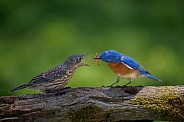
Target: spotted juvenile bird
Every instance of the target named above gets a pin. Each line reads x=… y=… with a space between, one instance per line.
x=124 y=66
x=57 y=77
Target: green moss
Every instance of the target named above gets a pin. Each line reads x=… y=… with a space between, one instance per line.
x=166 y=104
x=84 y=113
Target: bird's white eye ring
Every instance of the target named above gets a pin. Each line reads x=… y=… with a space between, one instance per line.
x=79 y=58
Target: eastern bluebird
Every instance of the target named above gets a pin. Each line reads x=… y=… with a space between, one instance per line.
x=124 y=66
x=57 y=77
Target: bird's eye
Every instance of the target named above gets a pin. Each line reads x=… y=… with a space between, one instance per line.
x=79 y=58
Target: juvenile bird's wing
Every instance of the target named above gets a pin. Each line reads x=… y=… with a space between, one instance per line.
x=131 y=63
x=49 y=76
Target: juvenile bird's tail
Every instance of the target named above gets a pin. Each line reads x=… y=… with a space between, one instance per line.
x=20 y=87
x=147 y=74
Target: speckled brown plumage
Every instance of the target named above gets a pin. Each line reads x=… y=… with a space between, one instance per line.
x=56 y=78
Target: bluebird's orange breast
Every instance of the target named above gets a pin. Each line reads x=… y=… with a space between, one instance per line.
x=124 y=71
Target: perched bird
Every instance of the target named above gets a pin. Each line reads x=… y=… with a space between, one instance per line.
x=124 y=66
x=57 y=77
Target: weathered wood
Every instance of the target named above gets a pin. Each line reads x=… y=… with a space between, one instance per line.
x=97 y=104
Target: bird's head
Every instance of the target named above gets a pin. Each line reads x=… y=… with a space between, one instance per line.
x=110 y=56
x=76 y=60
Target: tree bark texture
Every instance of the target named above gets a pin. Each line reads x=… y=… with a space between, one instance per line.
x=97 y=104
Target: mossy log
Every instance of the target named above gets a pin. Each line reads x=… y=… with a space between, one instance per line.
x=97 y=104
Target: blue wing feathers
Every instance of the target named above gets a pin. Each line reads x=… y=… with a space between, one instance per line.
x=132 y=63
x=135 y=65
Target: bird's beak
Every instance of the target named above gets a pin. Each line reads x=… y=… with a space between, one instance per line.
x=97 y=58
x=83 y=60
x=85 y=55
x=86 y=64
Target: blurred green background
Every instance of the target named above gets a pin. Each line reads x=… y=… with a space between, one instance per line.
x=37 y=35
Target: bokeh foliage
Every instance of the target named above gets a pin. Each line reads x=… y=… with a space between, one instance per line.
x=37 y=35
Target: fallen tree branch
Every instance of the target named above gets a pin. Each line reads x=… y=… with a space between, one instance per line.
x=97 y=104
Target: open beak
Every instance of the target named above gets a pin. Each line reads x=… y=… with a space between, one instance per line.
x=83 y=60
x=86 y=64
x=85 y=55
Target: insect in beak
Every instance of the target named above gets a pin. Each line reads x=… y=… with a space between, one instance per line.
x=96 y=59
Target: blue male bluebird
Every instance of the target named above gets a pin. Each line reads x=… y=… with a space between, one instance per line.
x=57 y=77
x=124 y=66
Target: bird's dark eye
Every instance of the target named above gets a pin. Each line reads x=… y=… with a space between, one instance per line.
x=79 y=58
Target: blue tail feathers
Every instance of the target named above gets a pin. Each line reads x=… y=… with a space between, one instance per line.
x=147 y=74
